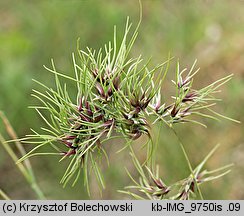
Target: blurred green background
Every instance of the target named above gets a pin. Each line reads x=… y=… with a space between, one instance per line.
x=33 y=32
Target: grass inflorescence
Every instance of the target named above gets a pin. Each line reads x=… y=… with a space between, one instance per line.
x=118 y=96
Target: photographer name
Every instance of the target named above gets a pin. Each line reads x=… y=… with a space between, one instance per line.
x=73 y=207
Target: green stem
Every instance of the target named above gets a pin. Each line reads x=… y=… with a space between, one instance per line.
x=25 y=168
x=156 y=147
x=37 y=190
x=188 y=163
x=4 y=195
x=27 y=173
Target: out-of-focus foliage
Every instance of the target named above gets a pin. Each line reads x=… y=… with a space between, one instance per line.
x=32 y=32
